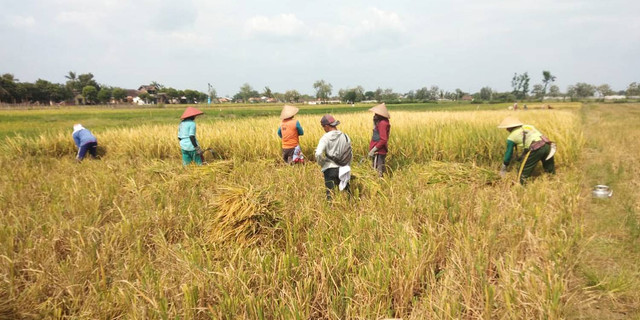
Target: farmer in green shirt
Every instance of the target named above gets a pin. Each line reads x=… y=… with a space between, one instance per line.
x=534 y=145
x=191 y=151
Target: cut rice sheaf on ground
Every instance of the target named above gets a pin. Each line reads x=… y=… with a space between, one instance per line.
x=244 y=215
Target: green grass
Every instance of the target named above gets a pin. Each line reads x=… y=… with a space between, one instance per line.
x=608 y=270
x=35 y=122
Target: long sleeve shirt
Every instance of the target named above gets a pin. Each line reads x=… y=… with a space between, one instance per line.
x=509 y=153
x=521 y=137
x=290 y=132
x=380 y=136
x=325 y=145
x=83 y=137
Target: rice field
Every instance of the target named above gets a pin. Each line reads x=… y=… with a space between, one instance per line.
x=135 y=235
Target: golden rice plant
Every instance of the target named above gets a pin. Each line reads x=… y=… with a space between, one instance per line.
x=243 y=215
x=137 y=235
x=416 y=137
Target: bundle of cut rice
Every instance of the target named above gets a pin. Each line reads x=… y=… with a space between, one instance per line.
x=244 y=215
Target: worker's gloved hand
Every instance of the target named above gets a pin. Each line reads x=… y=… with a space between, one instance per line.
x=199 y=150
x=372 y=152
x=503 y=170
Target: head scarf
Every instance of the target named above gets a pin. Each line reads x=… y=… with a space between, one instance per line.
x=77 y=127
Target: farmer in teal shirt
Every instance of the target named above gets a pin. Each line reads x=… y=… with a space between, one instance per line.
x=191 y=151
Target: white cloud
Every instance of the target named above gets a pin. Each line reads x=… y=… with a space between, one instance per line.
x=378 y=20
x=82 y=19
x=282 y=26
x=367 y=29
x=487 y=40
x=184 y=39
x=21 y=21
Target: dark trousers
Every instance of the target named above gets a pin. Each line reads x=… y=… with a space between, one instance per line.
x=379 y=161
x=531 y=160
x=92 y=147
x=287 y=154
x=332 y=180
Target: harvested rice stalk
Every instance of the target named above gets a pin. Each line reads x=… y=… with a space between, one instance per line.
x=244 y=215
x=365 y=182
x=455 y=173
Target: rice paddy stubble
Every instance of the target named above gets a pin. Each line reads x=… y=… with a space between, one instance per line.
x=132 y=238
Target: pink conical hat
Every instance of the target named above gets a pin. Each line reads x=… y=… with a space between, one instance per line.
x=190 y=112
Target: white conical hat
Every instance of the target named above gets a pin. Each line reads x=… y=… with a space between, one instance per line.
x=288 y=111
x=381 y=109
x=510 y=122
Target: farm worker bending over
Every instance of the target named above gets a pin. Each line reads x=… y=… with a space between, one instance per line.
x=85 y=141
x=380 y=137
x=191 y=151
x=289 y=131
x=334 y=155
x=535 y=147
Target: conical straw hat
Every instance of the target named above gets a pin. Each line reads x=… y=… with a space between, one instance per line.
x=510 y=122
x=288 y=111
x=381 y=109
x=191 y=112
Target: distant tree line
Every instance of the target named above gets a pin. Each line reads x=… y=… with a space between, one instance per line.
x=520 y=84
x=81 y=89
x=84 y=89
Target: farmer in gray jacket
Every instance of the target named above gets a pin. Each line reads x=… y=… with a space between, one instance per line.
x=333 y=141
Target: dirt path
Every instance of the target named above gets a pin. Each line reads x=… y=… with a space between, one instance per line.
x=608 y=271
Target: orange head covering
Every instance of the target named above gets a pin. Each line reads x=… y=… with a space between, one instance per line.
x=190 y=112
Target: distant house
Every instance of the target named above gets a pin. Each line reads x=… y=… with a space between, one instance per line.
x=153 y=93
x=162 y=97
x=223 y=100
x=137 y=101
x=131 y=94
x=148 y=89
x=612 y=98
x=466 y=97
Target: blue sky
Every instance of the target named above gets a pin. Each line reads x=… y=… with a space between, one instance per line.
x=402 y=45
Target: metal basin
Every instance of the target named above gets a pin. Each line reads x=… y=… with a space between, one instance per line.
x=602 y=191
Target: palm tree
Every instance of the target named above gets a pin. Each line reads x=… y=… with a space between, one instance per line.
x=71 y=76
x=267 y=92
x=547 y=78
x=72 y=80
x=157 y=85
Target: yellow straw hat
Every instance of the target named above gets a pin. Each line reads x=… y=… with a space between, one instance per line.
x=381 y=110
x=288 y=112
x=510 y=122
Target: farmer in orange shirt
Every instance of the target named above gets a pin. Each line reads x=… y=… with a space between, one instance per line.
x=289 y=131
